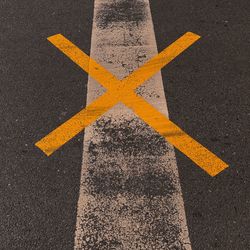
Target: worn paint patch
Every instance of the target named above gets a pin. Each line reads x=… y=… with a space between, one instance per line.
x=130 y=196
x=121 y=11
x=123 y=159
x=116 y=182
x=132 y=137
x=128 y=190
x=128 y=222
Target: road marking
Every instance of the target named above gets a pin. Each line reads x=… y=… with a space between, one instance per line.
x=130 y=195
x=122 y=91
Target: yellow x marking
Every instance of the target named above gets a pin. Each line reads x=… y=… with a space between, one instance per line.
x=123 y=91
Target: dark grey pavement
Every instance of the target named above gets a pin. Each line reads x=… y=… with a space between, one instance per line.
x=207 y=91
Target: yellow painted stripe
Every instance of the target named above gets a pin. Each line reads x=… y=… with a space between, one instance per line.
x=61 y=135
x=122 y=90
x=95 y=70
x=77 y=123
x=175 y=135
x=159 y=61
x=136 y=78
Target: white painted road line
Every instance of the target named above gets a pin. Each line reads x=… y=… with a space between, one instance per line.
x=130 y=195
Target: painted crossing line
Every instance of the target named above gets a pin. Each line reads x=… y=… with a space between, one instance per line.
x=130 y=195
x=123 y=91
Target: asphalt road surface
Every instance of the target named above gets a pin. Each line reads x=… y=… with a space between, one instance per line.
x=207 y=94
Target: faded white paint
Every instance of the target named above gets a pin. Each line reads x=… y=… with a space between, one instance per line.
x=130 y=195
